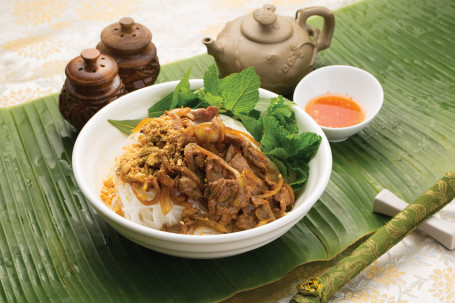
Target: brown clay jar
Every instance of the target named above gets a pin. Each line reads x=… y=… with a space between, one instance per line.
x=92 y=82
x=130 y=44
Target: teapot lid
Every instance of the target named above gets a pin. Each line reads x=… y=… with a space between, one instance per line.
x=126 y=36
x=264 y=26
x=91 y=68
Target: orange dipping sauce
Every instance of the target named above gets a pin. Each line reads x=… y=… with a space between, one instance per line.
x=335 y=111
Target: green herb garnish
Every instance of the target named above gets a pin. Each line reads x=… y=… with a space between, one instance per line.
x=270 y=121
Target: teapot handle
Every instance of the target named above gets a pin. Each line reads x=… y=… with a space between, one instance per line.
x=323 y=41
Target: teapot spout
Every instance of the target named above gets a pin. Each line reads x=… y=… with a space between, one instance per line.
x=214 y=48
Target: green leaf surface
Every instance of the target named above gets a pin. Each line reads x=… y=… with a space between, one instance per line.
x=212 y=100
x=211 y=80
x=254 y=126
x=182 y=90
x=159 y=108
x=125 y=126
x=239 y=90
x=55 y=248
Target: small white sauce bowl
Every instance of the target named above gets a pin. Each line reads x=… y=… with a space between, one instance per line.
x=343 y=80
x=99 y=143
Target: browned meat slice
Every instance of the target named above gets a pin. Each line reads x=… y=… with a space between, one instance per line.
x=199 y=160
x=246 y=221
x=215 y=171
x=239 y=163
x=285 y=197
x=256 y=159
x=189 y=187
x=265 y=213
x=195 y=160
x=221 y=194
x=223 y=191
x=221 y=213
x=230 y=153
x=164 y=180
x=202 y=115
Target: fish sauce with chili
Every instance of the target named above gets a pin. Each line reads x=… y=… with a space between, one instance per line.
x=335 y=111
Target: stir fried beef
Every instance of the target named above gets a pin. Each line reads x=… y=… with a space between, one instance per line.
x=239 y=163
x=214 y=170
x=217 y=174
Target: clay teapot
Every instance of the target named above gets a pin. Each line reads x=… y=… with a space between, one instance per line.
x=281 y=50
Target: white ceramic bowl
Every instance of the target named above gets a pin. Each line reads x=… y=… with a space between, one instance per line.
x=341 y=80
x=99 y=143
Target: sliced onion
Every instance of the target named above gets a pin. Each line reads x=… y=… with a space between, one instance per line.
x=238 y=133
x=221 y=129
x=275 y=190
x=157 y=188
x=181 y=112
x=166 y=183
x=211 y=223
x=143 y=200
x=206 y=132
x=189 y=157
x=250 y=178
x=165 y=201
x=262 y=222
x=290 y=190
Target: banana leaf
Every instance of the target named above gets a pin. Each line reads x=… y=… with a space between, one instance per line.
x=54 y=247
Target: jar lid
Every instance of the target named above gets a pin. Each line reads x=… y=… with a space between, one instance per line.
x=126 y=36
x=264 y=26
x=91 y=68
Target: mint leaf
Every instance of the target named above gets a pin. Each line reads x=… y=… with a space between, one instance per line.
x=298 y=174
x=283 y=143
x=240 y=91
x=211 y=99
x=273 y=135
x=309 y=143
x=125 y=126
x=222 y=83
x=182 y=90
x=264 y=103
x=279 y=141
x=181 y=96
x=294 y=170
x=187 y=99
x=253 y=126
x=283 y=113
x=211 y=79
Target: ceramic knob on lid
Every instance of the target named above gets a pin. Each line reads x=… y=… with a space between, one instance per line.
x=264 y=26
x=92 y=82
x=130 y=44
